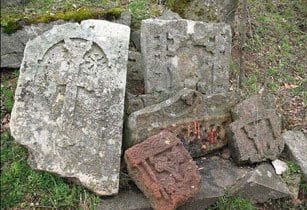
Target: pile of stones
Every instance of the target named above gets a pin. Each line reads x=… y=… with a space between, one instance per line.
x=83 y=99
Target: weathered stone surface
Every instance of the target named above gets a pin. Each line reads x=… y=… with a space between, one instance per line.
x=296 y=143
x=163 y=170
x=135 y=40
x=135 y=76
x=169 y=15
x=12 y=46
x=261 y=185
x=125 y=200
x=216 y=177
x=199 y=121
x=207 y=10
x=124 y=18
x=183 y=53
x=69 y=102
x=256 y=131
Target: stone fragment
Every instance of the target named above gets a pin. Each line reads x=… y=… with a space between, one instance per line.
x=69 y=102
x=279 y=166
x=13 y=45
x=135 y=40
x=163 y=170
x=124 y=18
x=260 y=185
x=135 y=77
x=181 y=53
x=169 y=15
x=296 y=143
x=216 y=177
x=256 y=131
x=199 y=121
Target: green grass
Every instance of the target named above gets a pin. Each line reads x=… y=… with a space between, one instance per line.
x=233 y=203
x=23 y=187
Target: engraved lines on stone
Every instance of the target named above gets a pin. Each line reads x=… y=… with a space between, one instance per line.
x=167 y=161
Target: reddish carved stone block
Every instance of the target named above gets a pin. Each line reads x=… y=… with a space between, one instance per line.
x=164 y=170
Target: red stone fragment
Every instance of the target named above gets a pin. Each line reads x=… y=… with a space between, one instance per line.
x=164 y=170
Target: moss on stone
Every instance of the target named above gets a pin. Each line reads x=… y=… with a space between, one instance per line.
x=11 y=24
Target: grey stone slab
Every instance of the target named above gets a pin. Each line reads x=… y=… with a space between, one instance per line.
x=182 y=53
x=296 y=143
x=192 y=116
x=255 y=134
x=69 y=102
x=260 y=185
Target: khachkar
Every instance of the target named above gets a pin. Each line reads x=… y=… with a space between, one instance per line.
x=69 y=102
x=183 y=53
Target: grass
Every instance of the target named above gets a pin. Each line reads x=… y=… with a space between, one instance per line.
x=232 y=203
x=22 y=187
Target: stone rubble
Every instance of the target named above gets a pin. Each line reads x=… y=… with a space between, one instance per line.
x=69 y=102
x=279 y=166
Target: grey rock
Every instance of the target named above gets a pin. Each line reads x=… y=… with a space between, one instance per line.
x=260 y=185
x=169 y=15
x=125 y=200
x=125 y=18
x=135 y=76
x=216 y=175
x=256 y=131
x=12 y=46
x=296 y=143
x=190 y=115
x=135 y=40
x=69 y=102
x=182 y=53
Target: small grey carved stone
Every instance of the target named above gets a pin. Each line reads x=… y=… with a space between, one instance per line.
x=181 y=53
x=69 y=102
x=256 y=131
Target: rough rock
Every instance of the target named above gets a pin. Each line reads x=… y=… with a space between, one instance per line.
x=124 y=18
x=199 y=121
x=12 y=46
x=279 y=166
x=135 y=40
x=169 y=15
x=207 y=10
x=183 y=53
x=163 y=170
x=296 y=143
x=256 y=131
x=260 y=185
x=69 y=102
x=135 y=77
x=216 y=177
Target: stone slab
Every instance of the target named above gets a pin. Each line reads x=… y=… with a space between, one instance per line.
x=199 y=121
x=182 y=53
x=296 y=143
x=163 y=170
x=255 y=134
x=69 y=102
x=135 y=76
x=260 y=185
